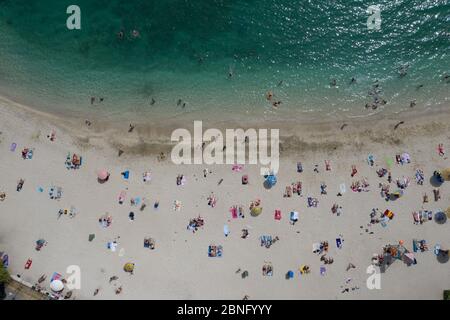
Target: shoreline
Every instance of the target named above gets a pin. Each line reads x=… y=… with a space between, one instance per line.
x=152 y=139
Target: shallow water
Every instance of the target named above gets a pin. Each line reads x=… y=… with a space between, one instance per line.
x=187 y=49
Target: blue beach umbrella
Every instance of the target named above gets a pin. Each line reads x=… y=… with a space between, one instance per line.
x=271 y=180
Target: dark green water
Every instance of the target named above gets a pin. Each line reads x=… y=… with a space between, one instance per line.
x=186 y=50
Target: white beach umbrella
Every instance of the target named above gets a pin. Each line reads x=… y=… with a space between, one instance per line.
x=57 y=285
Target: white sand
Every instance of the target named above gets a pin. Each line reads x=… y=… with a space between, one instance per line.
x=179 y=267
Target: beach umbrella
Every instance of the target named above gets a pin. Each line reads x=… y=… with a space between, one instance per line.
x=271 y=180
x=446 y=174
x=102 y=174
x=443 y=256
x=289 y=274
x=440 y=217
x=128 y=267
x=256 y=211
x=57 y=285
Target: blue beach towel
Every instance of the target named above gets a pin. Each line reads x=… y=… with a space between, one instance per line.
x=339 y=243
x=126 y=174
x=226 y=230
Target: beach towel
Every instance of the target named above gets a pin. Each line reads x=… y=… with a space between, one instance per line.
x=277 y=215
x=342 y=188
x=339 y=243
x=112 y=246
x=437 y=247
x=215 y=251
x=316 y=247
x=226 y=230
x=370 y=159
x=415 y=246
x=384 y=221
x=416 y=217
x=389 y=162
x=13 y=147
x=126 y=174
x=55 y=276
x=323 y=270
x=137 y=201
x=5 y=260
x=28 y=263
x=294 y=216
x=233 y=211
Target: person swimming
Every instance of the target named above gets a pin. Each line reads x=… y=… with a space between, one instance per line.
x=135 y=34
x=120 y=34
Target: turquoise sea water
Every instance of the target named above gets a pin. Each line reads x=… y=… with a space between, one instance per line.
x=187 y=49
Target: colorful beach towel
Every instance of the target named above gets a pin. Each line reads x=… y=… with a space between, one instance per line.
x=234 y=213
x=55 y=276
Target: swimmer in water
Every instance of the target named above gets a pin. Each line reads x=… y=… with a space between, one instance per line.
x=230 y=72
x=269 y=95
x=120 y=34
x=333 y=83
x=135 y=34
x=353 y=80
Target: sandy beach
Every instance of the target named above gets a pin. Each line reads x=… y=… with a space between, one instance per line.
x=179 y=266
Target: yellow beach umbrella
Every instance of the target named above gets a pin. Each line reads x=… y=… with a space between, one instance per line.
x=128 y=267
x=256 y=211
x=448 y=212
x=446 y=174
